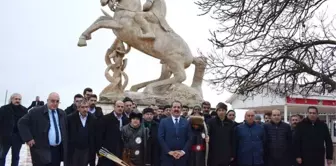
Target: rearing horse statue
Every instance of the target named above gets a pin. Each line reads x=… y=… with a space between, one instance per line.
x=165 y=45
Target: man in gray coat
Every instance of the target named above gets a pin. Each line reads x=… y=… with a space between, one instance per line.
x=44 y=130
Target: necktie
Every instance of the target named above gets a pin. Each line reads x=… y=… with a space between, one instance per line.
x=55 y=125
x=176 y=125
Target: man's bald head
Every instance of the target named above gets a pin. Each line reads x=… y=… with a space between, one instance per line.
x=249 y=116
x=276 y=116
x=119 y=107
x=53 y=100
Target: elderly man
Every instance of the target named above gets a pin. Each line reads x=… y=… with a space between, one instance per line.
x=44 y=129
x=278 y=140
x=9 y=133
x=250 y=139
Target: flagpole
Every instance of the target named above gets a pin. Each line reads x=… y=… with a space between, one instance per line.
x=6 y=97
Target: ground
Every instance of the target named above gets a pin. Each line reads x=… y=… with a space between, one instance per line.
x=25 y=159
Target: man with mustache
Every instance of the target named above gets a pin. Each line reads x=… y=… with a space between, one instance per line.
x=9 y=133
x=93 y=109
x=175 y=138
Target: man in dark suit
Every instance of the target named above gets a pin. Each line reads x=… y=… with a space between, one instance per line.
x=81 y=136
x=175 y=138
x=93 y=109
x=35 y=103
x=109 y=133
x=44 y=129
x=9 y=133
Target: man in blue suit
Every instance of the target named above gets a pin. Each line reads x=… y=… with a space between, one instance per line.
x=174 y=136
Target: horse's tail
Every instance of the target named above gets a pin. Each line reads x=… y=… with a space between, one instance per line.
x=200 y=65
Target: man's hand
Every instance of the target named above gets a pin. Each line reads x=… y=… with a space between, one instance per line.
x=147 y=5
x=173 y=153
x=207 y=139
x=232 y=158
x=299 y=160
x=329 y=162
x=31 y=143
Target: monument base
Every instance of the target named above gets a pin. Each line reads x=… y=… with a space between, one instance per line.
x=180 y=92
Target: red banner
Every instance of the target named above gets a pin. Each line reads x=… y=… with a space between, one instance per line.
x=291 y=100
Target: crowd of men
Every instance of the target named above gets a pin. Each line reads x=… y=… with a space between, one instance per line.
x=159 y=135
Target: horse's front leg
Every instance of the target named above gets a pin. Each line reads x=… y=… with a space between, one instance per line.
x=101 y=22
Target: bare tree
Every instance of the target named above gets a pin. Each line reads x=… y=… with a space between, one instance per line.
x=283 y=45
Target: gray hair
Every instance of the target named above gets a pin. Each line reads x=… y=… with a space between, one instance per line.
x=12 y=96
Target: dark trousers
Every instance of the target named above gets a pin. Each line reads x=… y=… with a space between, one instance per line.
x=15 y=143
x=80 y=157
x=56 y=156
x=92 y=162
x=174 y=163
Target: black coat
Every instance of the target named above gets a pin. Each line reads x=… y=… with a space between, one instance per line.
x=109 y=137
x=278 y=143
x=35 y=103
x=153 y=147
x=197 y=153
x=99 y=113
x=74 y=124
x=71 y=109
x=222 y=141
x=8 y=121
x=35 y=125
x=309 y=140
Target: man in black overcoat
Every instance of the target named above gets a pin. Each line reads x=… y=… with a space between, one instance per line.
x=312 y=141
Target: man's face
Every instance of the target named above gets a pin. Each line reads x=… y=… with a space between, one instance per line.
x=231 y=115
x=312 y=114
x=176 y=109
x=53 y=102
x=221 y=113
x=37 y=98
x=249 y=117
x=167 y=111
x=156 y=109
x=92 y=102
x=77 y=101
x=185 y=111
x=83 y=109
x=159 y=112
x=148 y=117
x=276 y=116
x=134 y=106
x=119 y=108
x=294 y=120
x=206 y=108
x=16 y=100
x=87 y=94
x=135 y=122
x=128 y=107
x=267 y=119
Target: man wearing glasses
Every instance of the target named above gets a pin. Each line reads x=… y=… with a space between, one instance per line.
x=9 y=133
x=44 y=130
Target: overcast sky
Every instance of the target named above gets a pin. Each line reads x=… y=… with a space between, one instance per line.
x=39 y=52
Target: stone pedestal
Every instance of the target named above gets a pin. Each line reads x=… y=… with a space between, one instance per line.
x=180 y=92
x=108 y=107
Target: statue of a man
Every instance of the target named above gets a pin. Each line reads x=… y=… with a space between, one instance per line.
x=142 y=18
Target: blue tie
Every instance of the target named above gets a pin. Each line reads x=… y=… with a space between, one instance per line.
x=55 y=125
x=176 y=126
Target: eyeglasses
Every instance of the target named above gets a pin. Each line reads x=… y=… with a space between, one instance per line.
x=54 y=101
